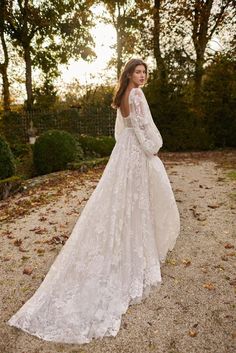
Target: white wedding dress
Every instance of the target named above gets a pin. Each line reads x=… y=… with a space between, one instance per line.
x=113 y=255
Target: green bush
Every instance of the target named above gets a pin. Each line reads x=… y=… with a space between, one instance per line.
x=23 y=154
x=219 y=101
x=53 y=150
x=20 y=150
x=13 y=127
x=100 y=146
x=7 y=162
x=179 y=124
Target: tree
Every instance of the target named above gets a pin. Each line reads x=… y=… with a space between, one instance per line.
x=4 y=64
x=49 y=33
x=160 y=62
x=206 y=18
x=127 y=20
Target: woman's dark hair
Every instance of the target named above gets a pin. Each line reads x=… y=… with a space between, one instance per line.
x=124 y=80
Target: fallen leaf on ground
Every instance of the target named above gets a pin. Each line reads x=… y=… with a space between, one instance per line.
x=27 y=270
x=231 y=253
x=192 y=333
x=22 y=249
x=24 y=257
x=229 y=246
x=203 y=269
x=214 y=206
x=209 y=285
x=40 y=251
x=17 y=242
x=233 y=282
x=7 y=258
x=39 y=230
x=186 y=262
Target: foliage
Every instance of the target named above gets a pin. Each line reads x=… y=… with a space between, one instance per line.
x=89 y=163
x=13 y=128
x=23 y=154
x=179 y=125
x=49 y=34
x=53 y=150
x=100 y=146
x=128 y=21
x=7 y=162
x=46 y=95
x=219 y=101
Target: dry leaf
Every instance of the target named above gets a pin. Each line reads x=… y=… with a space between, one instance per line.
x=24 y=257
x=203 y=269
x=7 y=258
x=22 y=250
x=233 y=253
x=209 y=286
x=27 y=270
x=233 y=282
x=186 y=262
x=40 y=251
x=192 y=333
x=17 y=242
x=229 y=246
x=214 y=206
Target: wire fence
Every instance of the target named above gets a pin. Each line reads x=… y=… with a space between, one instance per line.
x=94 y=122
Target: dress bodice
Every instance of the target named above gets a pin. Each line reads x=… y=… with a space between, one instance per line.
x=127 y=122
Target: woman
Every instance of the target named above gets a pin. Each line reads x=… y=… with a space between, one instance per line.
x=113 y=255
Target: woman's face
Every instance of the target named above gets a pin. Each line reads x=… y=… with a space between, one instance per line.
x=139 y=75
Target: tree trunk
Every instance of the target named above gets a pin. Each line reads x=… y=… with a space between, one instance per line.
x=198 y=74
x=5 y=87
x=28 y=77
x=200 y=38
x=119 y=40
x=119 y=51
x=5 y=81
x=4 y=65
x=161 y=67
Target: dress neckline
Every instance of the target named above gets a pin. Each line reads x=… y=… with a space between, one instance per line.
x=128 y=116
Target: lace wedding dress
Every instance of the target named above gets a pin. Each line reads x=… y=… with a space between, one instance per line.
x=113 y=255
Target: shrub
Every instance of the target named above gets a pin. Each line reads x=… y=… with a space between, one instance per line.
x=7 y=162
x=53 y=150
x=100 y=146
x=23 y=154
x=13 y=127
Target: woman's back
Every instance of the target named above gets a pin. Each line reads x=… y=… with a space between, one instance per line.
x=124 y=106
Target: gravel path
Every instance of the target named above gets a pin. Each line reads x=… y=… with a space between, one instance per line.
x=193 y=312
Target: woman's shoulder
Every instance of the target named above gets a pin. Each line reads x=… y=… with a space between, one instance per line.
x=136 y=92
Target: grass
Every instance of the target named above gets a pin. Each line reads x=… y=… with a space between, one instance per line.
x=232 y=175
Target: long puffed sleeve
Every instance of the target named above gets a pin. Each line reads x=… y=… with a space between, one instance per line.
x=145 y=129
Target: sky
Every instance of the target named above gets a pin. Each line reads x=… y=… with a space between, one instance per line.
x=93 y=72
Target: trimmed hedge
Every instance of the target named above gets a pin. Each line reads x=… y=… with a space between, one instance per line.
x=100 y=146
x=53 y=150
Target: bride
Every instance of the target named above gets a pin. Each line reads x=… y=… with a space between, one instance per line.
x=113 y=256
